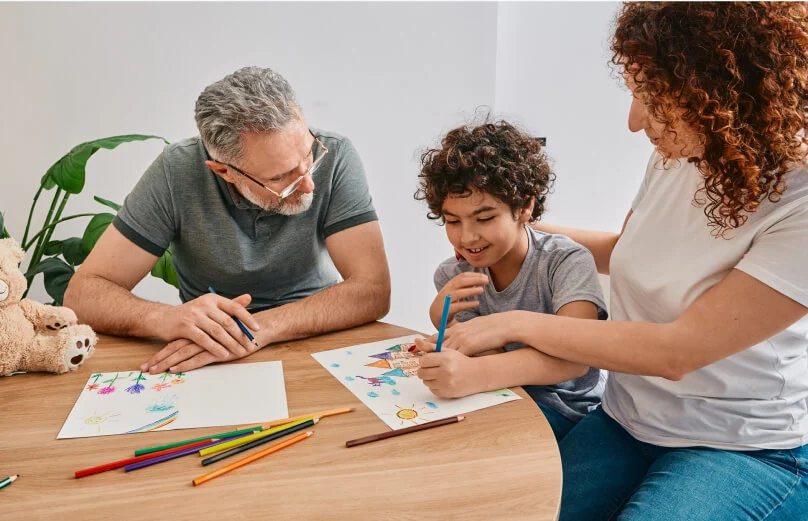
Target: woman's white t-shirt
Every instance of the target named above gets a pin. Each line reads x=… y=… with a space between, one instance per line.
x=667 y=258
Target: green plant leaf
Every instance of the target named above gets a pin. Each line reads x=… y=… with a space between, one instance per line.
x=107 y=202
x=53 y=248
x=164 y=269
x=97 y=226
x=69 y=171
x=57 y=275
x=73 y=251
x=3 y=233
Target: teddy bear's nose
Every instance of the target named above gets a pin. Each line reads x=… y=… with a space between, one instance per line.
x=3 y=291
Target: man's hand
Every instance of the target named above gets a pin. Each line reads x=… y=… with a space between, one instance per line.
x=182 y=355
x=473 y=337
x=451 y=374
x=465 y=285
x=208 y=322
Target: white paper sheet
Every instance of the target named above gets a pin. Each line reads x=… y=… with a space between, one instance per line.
x=382 y=375
x=130 y=401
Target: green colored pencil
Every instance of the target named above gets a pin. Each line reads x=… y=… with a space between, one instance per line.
x=149 y=450
x=8 y=481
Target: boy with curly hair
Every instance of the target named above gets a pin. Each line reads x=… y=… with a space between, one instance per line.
x=486 y=184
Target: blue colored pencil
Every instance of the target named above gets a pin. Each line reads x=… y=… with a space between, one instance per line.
x=446 y=303
x=238 y=322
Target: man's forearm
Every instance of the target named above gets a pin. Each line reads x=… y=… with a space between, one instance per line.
x=347 y=304
x=524 y=367
x=109 y=308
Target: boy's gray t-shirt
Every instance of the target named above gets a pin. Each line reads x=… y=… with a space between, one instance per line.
x=555 y=272
x=220 y=239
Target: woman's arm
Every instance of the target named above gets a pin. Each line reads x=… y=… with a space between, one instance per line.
x=735 y=314
x=600 y=244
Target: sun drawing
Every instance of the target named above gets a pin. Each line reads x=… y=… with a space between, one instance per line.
x=412 y=414
x=97 y=420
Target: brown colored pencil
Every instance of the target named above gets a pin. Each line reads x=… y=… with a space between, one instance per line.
x=414 y=428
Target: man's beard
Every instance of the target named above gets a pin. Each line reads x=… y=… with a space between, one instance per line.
x=280 y=206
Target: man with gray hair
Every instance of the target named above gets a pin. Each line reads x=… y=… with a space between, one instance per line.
x=239 y=209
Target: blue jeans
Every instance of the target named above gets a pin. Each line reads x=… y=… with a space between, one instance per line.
x=560 y=425
x=609 y=475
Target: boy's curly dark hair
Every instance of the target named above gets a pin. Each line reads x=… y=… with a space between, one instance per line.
x=494 y=158
x=740 y=72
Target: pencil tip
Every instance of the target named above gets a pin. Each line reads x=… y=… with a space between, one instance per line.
x=461 y=418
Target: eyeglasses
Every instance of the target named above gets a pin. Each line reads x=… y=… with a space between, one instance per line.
x=289 y=190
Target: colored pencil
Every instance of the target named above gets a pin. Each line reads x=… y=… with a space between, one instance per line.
x=238 y=322
x=446 y=303
x=8 y=481
x=318 y=414
x=157 y=448
x=249 y=459
x=221 y=447
x=407 y=430
x=124 y=462
x=167 y=457
x=261 y=441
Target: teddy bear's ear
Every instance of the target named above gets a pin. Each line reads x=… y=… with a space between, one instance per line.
x=10 y=246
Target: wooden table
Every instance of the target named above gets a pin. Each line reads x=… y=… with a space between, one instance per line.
x=500 y=463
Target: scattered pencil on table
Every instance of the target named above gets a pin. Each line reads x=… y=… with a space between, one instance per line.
x=318 y=414
x=8 y=481
x=157 y=448
x=238 y=322
x=128 y=461
x=174 y=455
x=407 y=430
x=249 y=459
x=220 y=447
x=447 y=302
x=255 y=443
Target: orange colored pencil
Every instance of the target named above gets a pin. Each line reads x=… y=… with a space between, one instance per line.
x=249 y=459
x=318 y=414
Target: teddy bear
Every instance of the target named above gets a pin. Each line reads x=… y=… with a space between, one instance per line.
x=34 y=336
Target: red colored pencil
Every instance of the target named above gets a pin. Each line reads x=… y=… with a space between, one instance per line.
x=129 y=461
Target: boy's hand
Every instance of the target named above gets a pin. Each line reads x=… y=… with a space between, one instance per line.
x=474 y=336
x=450 y=374
x=465 y=285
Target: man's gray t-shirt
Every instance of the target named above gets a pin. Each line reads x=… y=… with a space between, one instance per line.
x=555 y=272
x=218 y=238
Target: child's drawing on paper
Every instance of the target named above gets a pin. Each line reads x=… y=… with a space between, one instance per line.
x=95 y=422
x=127 y=402
x=384 y=376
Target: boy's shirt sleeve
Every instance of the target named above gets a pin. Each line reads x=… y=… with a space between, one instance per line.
x=574 y=277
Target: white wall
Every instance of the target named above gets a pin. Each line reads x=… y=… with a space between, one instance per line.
x=389 y=76
x=392 y=77
x=553 y=78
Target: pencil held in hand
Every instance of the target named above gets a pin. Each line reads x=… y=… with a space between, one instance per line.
x=414 y=428
x=238 y=322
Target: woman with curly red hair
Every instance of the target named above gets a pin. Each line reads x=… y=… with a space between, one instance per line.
x=705 y=414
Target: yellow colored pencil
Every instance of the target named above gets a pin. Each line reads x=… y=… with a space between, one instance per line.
x=214 y=449
x=318 y=414
x=249 y=459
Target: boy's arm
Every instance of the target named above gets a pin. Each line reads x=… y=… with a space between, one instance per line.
x=452 y=374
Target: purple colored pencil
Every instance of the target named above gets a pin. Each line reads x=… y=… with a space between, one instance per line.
x=179 y=454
